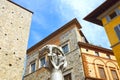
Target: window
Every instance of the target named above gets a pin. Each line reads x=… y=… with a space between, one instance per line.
x=117 y=30
x=108 y=56
x=97 y=53
x=32 y=66
x=102 y=72
x=114 y=75
x=42 y=62
x=86 y=50
x=112 y=15
x=67 y=77
x=65 y=48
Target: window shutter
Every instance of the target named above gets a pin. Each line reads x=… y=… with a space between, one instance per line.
x=102 y=72
x=117 y=11
x=108 y=18
x=117 y=30
x=114 y=75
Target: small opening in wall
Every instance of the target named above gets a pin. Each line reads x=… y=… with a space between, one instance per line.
x=10 y=64
x=86 y=50
x=3 y=7
x=19 y=27
x=6 y=54
x=21 y=16
x=12 y=12
x=13 y=52
x=0 y=48
x=17 y=39
x=5 y=34
x=19 y=58
x=97 y=53
x=11 y=23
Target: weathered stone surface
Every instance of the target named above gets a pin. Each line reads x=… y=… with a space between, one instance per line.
x=74 y=67
x=83 y=62
x=40 y=74
x=14 y=31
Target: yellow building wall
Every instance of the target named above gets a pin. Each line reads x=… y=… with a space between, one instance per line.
x=116 y=51
x=109 y=28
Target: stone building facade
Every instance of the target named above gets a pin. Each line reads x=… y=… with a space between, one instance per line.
x=14 y=31
x=73 y=43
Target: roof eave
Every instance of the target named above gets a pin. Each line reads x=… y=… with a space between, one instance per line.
x=93 y=47
x=92 y=17
x=20 y=6
x=74 y=21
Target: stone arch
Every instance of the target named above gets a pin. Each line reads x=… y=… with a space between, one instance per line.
x=112 y=63
x=100 y=61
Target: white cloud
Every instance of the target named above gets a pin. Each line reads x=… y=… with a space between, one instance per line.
x=79 y=9
x=66 y=10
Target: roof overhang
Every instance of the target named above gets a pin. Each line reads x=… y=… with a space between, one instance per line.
x=20 y=6
x=92 y=17
x=74 y=21
x=93 y=47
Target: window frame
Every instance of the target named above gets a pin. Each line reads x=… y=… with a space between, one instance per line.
x=116 y=11
x=117 y=31
x=108 y=56
x=113 y=15
x=101 y=67
x=115 y=72
x=31 y=63
x=40 y=66
x=97 y=53
x=66 y=43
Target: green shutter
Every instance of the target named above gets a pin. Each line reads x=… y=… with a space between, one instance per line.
x=117 y=30
x=117 y=11
x=108 y=18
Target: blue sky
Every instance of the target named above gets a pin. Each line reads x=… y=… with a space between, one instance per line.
x=49 y=15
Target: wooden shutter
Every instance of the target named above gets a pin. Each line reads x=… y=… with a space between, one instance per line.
x=102 y=72
x=114 y=75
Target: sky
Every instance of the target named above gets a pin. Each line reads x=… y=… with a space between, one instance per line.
x=50 y=15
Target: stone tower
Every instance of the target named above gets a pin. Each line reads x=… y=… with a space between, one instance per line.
x=14 y=31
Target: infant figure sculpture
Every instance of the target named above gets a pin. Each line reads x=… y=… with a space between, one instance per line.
x=57 y=62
